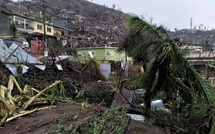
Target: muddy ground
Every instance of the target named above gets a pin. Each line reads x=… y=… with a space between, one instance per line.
x=52 y=120
x=48 y=121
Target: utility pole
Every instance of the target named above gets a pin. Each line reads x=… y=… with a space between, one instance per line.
x=44 y=28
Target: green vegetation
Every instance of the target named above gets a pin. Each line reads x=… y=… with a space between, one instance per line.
x=169 y=76
x=13 y=29
x=112 y=121
x=97 y=94
x=61 y=129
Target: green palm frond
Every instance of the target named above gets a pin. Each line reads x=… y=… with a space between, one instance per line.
x=138 y=25
x=145 y=46
x=170 y=72
x=150 y=81
x=205 y=89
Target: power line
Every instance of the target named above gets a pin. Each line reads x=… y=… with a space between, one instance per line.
x=44 y=29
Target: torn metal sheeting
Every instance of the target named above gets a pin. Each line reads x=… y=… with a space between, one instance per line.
x=15 y=54
x=13 y=68
x=59 y=67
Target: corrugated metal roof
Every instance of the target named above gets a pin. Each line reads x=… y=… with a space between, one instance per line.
x=14 y=55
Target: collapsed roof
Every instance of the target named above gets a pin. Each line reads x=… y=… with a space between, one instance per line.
x=14 y=56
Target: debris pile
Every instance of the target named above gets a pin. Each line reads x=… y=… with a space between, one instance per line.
x=27 y=83
x=13 y=106
x=100 y=93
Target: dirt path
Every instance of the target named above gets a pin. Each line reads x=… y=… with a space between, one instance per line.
x=48 y=120
x=137 y=127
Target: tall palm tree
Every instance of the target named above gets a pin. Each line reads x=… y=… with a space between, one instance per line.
x=168 y=72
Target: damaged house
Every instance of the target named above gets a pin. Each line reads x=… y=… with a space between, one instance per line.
x=32 y=31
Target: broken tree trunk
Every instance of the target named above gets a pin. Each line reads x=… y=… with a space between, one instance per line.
x=25 y=105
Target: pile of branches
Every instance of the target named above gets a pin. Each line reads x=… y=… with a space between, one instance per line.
x=23 y=102
x=100 y=93
x=72 y=79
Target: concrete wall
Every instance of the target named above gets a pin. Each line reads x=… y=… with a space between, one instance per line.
x=102 y=54
x=41 y=31
x=4 y=25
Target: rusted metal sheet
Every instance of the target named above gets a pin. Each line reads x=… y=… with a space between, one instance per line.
x=37 y=47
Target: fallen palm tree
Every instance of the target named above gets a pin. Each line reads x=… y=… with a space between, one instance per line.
x=169 y=76
x=12 y=107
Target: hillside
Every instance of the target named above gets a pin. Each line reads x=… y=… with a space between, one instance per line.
x=92 y=24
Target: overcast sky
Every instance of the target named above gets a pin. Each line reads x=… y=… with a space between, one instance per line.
x=170 y=13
